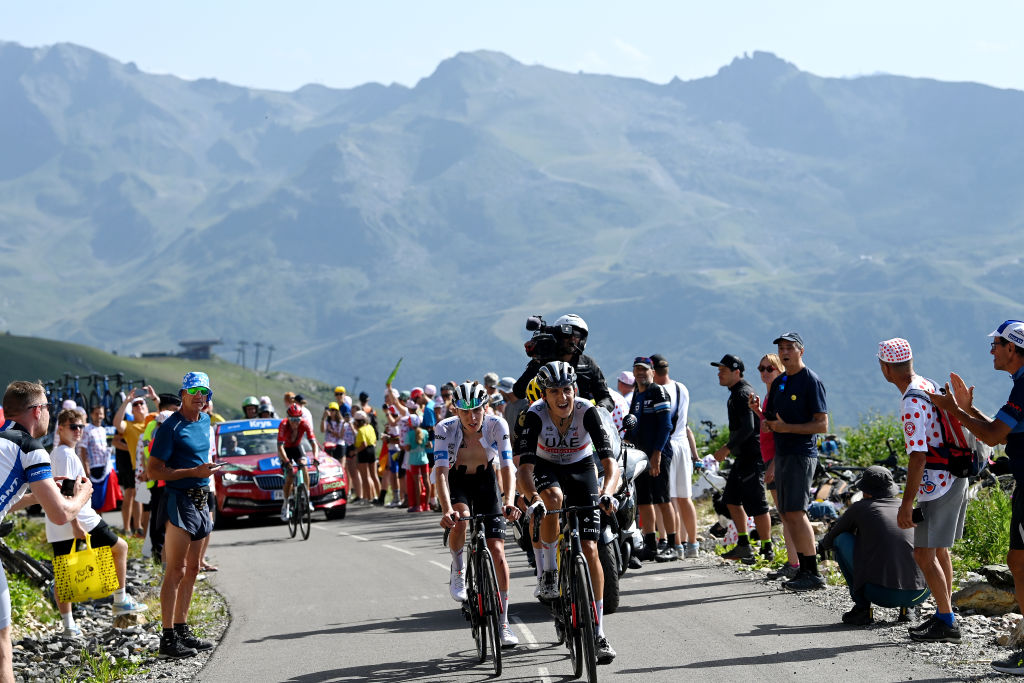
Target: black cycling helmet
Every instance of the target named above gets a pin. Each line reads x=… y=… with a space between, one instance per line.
x=556 y=374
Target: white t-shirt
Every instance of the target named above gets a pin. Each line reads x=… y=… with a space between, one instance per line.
x=66 y=463
x=680 y=444
x=921 y=429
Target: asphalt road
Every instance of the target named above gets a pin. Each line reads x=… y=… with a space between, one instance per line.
x=366 y=599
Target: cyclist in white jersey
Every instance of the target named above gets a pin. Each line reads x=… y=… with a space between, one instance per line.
x=472 y=453
x=556 y=446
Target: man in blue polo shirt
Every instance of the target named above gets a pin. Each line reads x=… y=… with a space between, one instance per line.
x=1007 y=427
x=795 y=412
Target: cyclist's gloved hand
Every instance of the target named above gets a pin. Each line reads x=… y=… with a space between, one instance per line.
x=608 y=503
x=537 y=510
x=449 y=520
x=511 y=512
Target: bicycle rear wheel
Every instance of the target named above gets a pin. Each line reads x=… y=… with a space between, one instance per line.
x=305 y=514
x=492 y=608
x=583 y=597
x=293 y=515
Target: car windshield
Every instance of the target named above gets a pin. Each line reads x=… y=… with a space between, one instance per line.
x=251 y=442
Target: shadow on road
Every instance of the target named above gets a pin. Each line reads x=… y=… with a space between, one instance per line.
x=445 y=620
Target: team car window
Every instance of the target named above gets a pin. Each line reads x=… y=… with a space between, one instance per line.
x=254 y=442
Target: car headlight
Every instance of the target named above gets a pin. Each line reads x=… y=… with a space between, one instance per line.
x=231 y=478
x=327 y=472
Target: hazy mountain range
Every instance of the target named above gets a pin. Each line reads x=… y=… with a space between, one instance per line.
x=351 y=227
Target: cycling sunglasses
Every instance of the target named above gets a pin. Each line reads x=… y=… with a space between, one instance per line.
x=470 y=405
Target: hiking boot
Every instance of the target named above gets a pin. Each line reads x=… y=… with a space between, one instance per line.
x=767 y=553
x=605 y=653
x=457 y=585
x=508 y=638
x=666 y=555
x=549 y=585
x=171 y=646
x=922 y=627
x=805 y=581
x=692 y=551
x=937 y=632
x=739 y=552
x=189 y=639
x=859 y=616
x=786 y=571
x=1014 y=664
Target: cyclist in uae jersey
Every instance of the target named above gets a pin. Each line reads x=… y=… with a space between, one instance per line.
x=289 y=449
x=556 y=446
x=472 y=455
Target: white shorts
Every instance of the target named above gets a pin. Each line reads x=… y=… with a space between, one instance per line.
x=680 y=483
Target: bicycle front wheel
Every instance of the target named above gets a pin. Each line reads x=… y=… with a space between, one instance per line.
x=293 y=515
x=570 y=621
x=586 y=616
x=305 y=514
x=475 y=594
x=492 y=607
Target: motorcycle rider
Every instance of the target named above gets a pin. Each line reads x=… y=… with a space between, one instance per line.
x=556 y=443
x=571 y=333
x=251 y=407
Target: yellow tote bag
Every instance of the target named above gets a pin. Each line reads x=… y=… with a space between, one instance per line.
x=87 y=574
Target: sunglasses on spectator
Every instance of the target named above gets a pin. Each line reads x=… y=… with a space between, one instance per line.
x=1000 y=342
x=197 y=390
x=76 y=427
x=40 y=405
x=766 y=368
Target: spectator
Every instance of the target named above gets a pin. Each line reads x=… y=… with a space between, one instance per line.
x=367 y=484
x=1007 y=427
x=179 y=456
x=93 y=449
x=769 y=368
x=874 y=553
x=652 y=407
x=67 y=465
x=25 y=464
x=169 y=403
x=625 y=384
x=795 y=412
x=369 y=411
x=491 y=380
x=250 y=407
x=417 y=469
x=131 y=511
x=341 y=397
x=744 y=488
x=942 y=497
x=333 y=429
x=684 y=450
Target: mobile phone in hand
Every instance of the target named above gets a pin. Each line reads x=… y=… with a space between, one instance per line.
x=917 y=516
x=67 y=488
x=138 y=393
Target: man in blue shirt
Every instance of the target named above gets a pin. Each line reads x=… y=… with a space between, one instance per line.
x=795 y=412
x=1007 y=427
x=180 y=456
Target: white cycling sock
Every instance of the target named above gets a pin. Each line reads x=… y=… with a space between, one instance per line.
x=538 y=559
x=68 y=620
x=504 y=607
x=550 y=556
x=457 y=560
x=600 y=617
x=119 y=595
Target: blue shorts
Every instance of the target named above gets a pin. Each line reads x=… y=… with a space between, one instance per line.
x=188 y=510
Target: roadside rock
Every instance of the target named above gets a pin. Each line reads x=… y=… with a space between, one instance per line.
x=984 y=598
x=998 y=575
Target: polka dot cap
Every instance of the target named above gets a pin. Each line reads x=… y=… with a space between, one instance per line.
x=894 y=350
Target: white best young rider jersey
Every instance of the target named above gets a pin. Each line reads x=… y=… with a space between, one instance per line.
x=563 y=449
x=493 y=436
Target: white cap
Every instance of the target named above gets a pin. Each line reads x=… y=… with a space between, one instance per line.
x=626 y=377
x=1012 y=331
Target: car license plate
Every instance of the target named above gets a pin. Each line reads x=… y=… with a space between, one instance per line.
x=277 y=495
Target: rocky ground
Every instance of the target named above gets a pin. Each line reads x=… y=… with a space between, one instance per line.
x=128 y=645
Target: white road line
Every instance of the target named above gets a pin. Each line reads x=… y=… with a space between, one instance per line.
x=545 y=676
x=344 y=533
x=531 y=641
x=398 y=550
x=359 y=538
x=442 y=566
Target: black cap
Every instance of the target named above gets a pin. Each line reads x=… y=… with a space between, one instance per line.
x=730 y=361
x=299 y=398
x=169 y=400
x=877 y=482
x=791 y=336
x=659 y=362
x=363 y=396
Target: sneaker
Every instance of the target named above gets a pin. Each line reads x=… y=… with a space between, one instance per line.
x=605 y=653
x=739 y=552
x=1014 y=664
x=284 y=511
x=662 y=544
x=457 y=585
x=922 y=627
x=634 y=562
x=680 y=551
x=73 y=633
x=786 y=571
x=692 y=551
x=859 y=616
x=767 y=553
x=171 y=646
x=508 y=638
x=937 y=632
x=129 y=606
x=189 y=639
x=666 y=555
x=805 y=581
x=537 y=588
x=311 y=508
x=549 y=587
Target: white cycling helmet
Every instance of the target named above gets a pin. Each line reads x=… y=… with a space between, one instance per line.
x=469 y=395
x=555 y=374
x=574 y=320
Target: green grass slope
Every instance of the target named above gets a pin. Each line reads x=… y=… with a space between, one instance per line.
x=33 y=358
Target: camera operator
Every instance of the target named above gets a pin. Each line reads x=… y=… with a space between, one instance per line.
x=564 y=341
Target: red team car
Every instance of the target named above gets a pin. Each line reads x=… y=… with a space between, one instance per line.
x=251 y=481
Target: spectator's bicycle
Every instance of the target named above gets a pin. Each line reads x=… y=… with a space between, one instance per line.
x=575 y=610
x=300 y=517
x=482 y=608
x=106 y=399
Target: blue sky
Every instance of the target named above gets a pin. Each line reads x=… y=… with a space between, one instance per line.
x=282 y=46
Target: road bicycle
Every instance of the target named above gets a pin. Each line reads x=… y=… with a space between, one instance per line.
x=105 y=399
x=300 y=517
x=482 y=608
x=575 y=610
